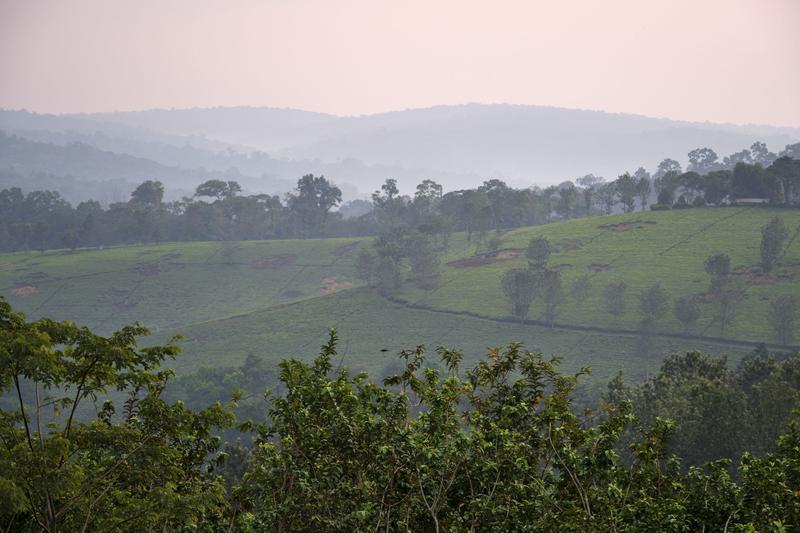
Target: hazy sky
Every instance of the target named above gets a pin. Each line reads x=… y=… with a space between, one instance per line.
x=717 y=60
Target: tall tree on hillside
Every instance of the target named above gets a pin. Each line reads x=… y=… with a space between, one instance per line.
x=589 y=185
x=607 y=195
x=520 y=286
x=718 y=268
x=702 y=160
x=782 y=316
x=643 y=186
x=218 y=189
x=687 y=311
x=312 y=201
x=627 y=189
x=761 y=154
x=538 y=252
x=148 y=195
x=667 y=166
x=653 y=304
x=773 y=236
x=726 y=306
x=552 y=294
x=581 y=289
x=614 y=298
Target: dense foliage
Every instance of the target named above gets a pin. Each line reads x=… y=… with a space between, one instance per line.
x=501 y=446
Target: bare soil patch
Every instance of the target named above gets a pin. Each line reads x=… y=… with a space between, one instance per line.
x=275 y=261
x=25 y=291
x=486 y=258
x=346 y=248
x=754 y=276
x=626 y=226
x=599 y=267
x=331 y=285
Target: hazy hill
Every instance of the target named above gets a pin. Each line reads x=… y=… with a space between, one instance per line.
x=29 y=160
x=459 y=146
x=520 y=143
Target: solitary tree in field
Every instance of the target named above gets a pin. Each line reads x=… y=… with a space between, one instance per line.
x=366 y=265
x=718 y=267
x=687 y=311
x=653 y=304
x=538 y=252
x=580 y=289
x=726 y=309
x=424 y=261
x=550 y=284
x=614 y=298
x=782 y=314
x=520 y=286
x=773 y=236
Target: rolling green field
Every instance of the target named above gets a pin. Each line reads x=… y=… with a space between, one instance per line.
x=277 y=298
x=169 y=286
x=666 y=247
x=373 y=330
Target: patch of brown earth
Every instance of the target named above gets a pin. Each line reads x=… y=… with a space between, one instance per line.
x=275 y=262
x=754 y=276
x=25 y=291
x=599 y=267
x=346 y=248
x=331 y=285
x=626 y=226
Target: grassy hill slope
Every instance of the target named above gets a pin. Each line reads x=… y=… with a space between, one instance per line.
x=277 y=298
x=373 y=330
x=176 y=284
x=640 y=249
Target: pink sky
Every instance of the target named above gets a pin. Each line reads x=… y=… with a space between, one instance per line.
x=722 y=60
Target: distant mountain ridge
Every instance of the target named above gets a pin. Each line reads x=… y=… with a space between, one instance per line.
x=458 y=145
x=519 y=143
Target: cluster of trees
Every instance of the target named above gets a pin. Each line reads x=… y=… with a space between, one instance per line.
x=500 y=446
x=218 y=210
x=523 y=286
x=721 y=411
